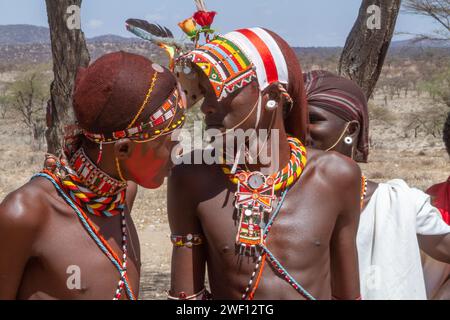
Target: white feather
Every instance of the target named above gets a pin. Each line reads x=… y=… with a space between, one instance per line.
x=200 y=5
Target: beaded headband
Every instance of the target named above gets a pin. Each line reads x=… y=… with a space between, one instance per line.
x=232 y=61
x=225 y=65
x=147 y=131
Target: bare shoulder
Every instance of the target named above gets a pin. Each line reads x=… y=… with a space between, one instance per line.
x=193 y=175
x=334 y=167
x=27 y=207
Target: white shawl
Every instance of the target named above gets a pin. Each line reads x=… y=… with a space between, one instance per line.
x=389 y=256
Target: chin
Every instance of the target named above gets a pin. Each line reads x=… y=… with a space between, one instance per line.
x=154 y=183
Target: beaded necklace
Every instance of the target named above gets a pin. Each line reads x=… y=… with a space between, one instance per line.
x=121 y=266
x=363 y=190
x=79 y=198
x=91 y=188
x=256 y=192
x=95 y=179
x=288 y=175
x=267 y=255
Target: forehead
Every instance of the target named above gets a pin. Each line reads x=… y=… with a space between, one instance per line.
x=324 y=113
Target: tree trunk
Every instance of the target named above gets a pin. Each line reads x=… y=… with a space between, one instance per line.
x=69 y=51
x=367 y=44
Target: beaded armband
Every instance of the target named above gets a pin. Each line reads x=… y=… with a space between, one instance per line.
x=201 y=295
x=188 y=240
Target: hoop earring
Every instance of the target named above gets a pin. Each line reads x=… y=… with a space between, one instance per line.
x=348 y=140
x=340 y=137
x=119 y=171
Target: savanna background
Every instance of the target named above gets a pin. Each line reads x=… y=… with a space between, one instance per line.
x=407 y=112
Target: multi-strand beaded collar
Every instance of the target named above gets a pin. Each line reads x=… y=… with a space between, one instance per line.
x=253 y=199
x=283 y=178
x=256 y=192
x=81 y=200
x=93 y=189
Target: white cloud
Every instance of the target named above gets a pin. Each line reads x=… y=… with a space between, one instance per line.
x=95 y=23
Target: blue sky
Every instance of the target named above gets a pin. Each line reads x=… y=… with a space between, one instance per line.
x=300 y=22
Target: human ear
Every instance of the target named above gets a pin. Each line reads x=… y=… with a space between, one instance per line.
x=272 y=97
x=123 y=149
x=354 y=129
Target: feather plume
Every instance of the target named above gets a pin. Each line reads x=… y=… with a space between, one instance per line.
x=158 y=35
x=154 y=33
x=200 y=5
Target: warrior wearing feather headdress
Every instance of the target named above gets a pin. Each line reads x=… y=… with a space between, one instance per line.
x=277 y=230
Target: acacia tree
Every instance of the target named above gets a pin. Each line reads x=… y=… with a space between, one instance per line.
x=69 y=52
x=367 y=44
x=27 y=96
x=438 y=10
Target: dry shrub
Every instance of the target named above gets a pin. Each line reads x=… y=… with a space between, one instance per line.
x=380 y=113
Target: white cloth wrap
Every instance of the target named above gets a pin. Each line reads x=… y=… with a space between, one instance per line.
x=389 y=255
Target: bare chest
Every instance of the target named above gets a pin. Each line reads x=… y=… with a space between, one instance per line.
x=300 y=233
x=68 y=263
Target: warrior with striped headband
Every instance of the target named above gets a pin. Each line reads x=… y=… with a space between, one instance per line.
x=277 y=230
x=68 y=233
x=398 y=222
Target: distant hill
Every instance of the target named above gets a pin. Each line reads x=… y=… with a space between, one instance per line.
x=23 y=34
x=112 y=38
x=420 y=44
x=17 y=34
x=26 y=44
x=29 y=34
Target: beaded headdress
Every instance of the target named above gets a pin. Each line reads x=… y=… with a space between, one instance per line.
x=168 y=117
x=233 y=60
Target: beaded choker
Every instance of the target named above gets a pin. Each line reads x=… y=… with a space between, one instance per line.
x=281 y=179
x=94 y=178
x=77 y=183
x=255 y=194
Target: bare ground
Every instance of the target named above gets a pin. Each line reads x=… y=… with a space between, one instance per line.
x=421 y=162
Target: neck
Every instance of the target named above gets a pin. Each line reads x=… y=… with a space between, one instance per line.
x=273 y=152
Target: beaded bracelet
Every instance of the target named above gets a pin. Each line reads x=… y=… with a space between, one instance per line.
x=182 y=295
x=188 y=240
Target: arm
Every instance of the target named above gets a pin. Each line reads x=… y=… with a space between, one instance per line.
x=18 y=229
x=436 y=246
x=433 y=234
x=343 y=252
x=188 y=263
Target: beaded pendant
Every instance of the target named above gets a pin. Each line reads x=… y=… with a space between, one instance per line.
x=253 y=199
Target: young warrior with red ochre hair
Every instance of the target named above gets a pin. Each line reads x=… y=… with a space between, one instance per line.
x=68 y=233
x=288 y=234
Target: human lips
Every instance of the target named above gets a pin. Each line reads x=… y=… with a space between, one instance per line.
x=213 y=125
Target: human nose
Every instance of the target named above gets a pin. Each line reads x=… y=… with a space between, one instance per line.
x=208 y=107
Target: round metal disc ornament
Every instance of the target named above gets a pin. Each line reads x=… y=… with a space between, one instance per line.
x=256 y=180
